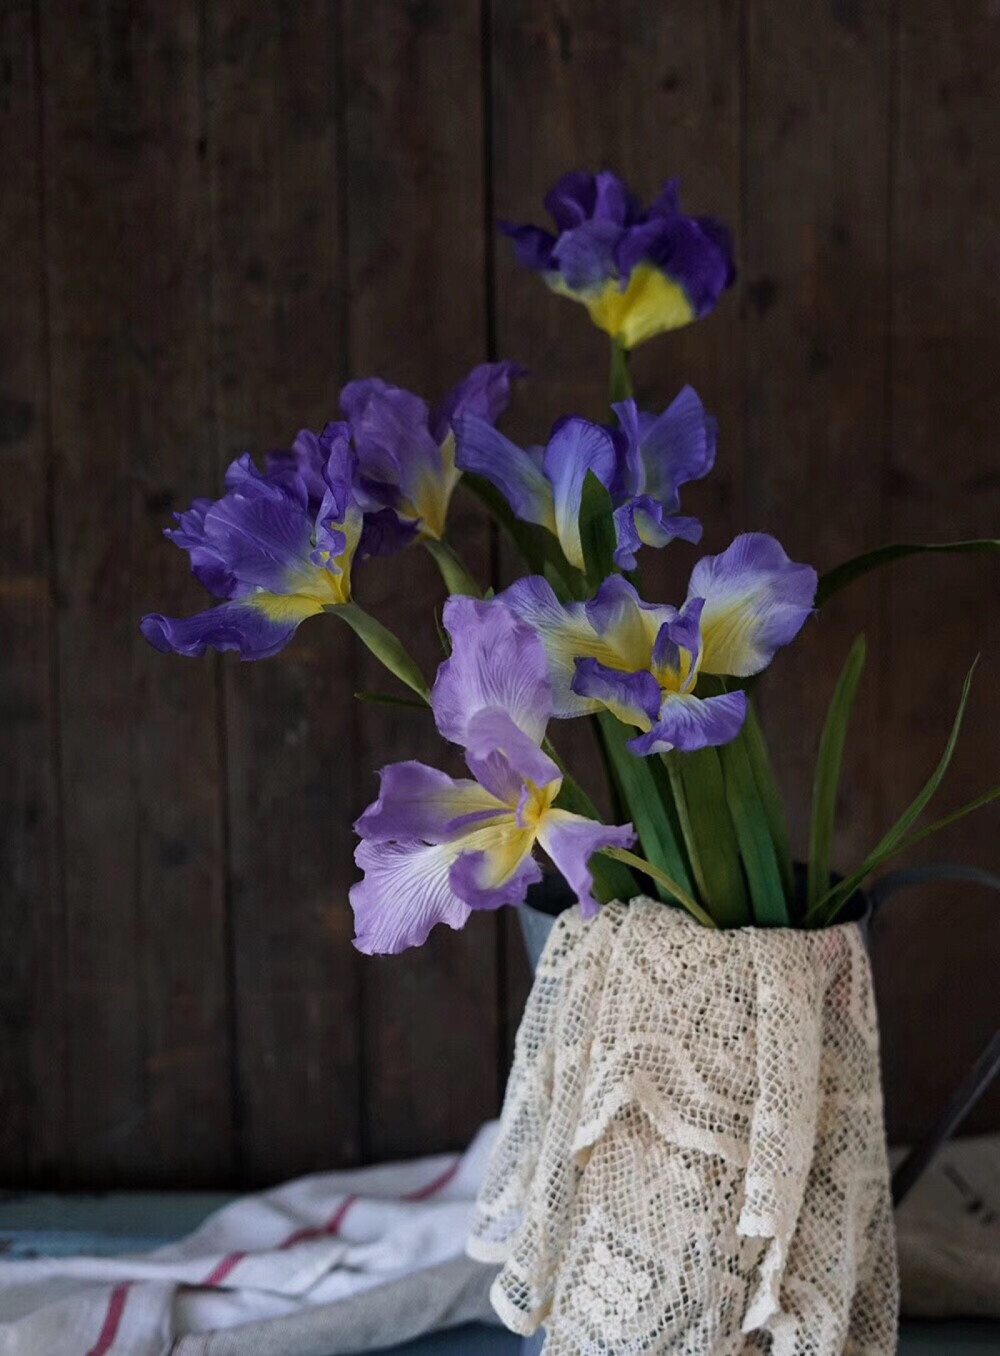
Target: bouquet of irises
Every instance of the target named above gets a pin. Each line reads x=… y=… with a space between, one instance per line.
x=668 y=688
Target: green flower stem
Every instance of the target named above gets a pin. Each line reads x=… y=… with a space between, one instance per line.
x=620 y=383
x=456 y=576
x=386 y=647
x=661 y=878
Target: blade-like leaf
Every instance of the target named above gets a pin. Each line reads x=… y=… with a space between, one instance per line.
x=770 y=798
x=598 y=538
x=700 y=791
x=829 y=904
x=836 y=579
x=985 y=799
x=387 y=699
x=827 y=778
x=668 y=886
x=753 y=834
x=647 y=794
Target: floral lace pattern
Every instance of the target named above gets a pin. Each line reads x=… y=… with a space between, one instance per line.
x=692 y=1155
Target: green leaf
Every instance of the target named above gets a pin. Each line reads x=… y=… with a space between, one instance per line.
x=826 y=907
x=710 y=835
x=597 y=530
x=667 y=884
x=770 y=797
x=753 y=834
x=646 y=792
x=836 y=579
x=985 y=799
x=387 y=648
x=827 y=777
x=387 y=699
x=454 y=572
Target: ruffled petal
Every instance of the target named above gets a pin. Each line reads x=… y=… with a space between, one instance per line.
x=417 y=801
x=626 y=626
x=483 y=451
x=263 y=532
x=405 y=892
x=756 y=600
x=257 y=626
x=485 y=392
x=633 y=698
x=571 y=841
x=677 y=446
x=491 y=736
x=496 y=662
x=533 y=246
x=585 y=256
x=495 y=867
x=688 y=723
x=576 y=448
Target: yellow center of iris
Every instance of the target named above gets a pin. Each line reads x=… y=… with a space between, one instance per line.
x=650 y=303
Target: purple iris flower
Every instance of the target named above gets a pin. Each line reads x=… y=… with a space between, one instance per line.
x=276 y=548
x=642 y=463
x=638 y=270
x=406 y=470
x=641 y=661
x=433 y=848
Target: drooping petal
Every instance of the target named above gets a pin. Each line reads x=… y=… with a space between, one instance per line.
x=571 y=841
x=484 y=392
x=263 y=533
x=756 y=600
x=585 y=256
x=633 y=698
x=207 y=563
x=495 y=743
x=496 y=662
x=405 y=892
x=643 y=521
x=258 y=626
x=495 y=867
x=484 y=451
x=533 y=246
x=576 y=448
x=694 y=253
x=688 y=723
x=417 y=801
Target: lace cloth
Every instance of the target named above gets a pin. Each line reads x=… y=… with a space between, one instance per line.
x=692 y=1156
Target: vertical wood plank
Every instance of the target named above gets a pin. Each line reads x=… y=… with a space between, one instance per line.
x=941 y=951
x=651 y=92
x=816 y=258
x=31 y=1109
x=146 y=1056
x=415 y=221
x=277 y=362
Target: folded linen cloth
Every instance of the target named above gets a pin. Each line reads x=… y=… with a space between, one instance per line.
x=379 y=1251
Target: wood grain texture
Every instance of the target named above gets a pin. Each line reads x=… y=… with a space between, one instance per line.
x=417 y=318
x=278 y=359
x=146 y=1054
x=32 y=1110
x=213 y=215
x=940 y=950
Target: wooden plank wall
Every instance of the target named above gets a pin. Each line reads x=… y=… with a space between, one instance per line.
x=212 y=216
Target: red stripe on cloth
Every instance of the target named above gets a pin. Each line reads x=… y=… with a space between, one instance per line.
x=439 y=1184
x=333 y=1224
x=224 y=1268
x=112 y=1321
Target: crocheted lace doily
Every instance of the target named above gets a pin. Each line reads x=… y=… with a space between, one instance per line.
x=692 y=1154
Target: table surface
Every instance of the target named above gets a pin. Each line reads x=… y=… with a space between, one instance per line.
x=61 y=1226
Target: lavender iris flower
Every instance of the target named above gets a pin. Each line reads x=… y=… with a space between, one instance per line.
x=276 y=548
x=435 y=848
x=642 y=463
x=638 y=270
x=641 y=661
x=406 y=470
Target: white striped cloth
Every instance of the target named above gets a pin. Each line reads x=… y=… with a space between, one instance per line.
x=316 y=1242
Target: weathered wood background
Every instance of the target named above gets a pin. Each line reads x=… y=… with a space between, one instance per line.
x=213 y=214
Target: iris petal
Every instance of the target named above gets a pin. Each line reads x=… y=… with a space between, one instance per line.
x=571 y=841
x=633 y=698
x=496 y=867
x=258 y=626
x=417 y=801
x=405 y=892
x=688 y=723
x=576 y=448
x=756 y=600
x=482 y=450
